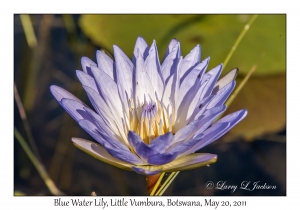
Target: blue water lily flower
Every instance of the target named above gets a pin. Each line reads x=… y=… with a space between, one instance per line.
x=149 y=116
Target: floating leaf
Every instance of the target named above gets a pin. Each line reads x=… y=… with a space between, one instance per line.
x=265 y=99
x=215 y=33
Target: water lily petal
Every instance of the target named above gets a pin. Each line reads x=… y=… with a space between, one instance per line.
x=200 y=108
x=160 y=159
x=229 y=77
x=222 y=95
x=191 y=161
x=124 y=155
x=99 y=152
x=189 y=62
x=141 y=46
x=102 y=108
x=170 y=63
x=152 y=68
x=188 y=92
x=86 y=64
x=234 y=118
x=109 y=91
x=199 y=125
x=75 y=109
x=147 y=170
x=170 y=48
x=87 y=80
x=102 y=123
x=101 y=137
x=192 y=76
x=60 y=93
x=124 y=71
x=161 y=143
x=182 y=146
x=212 y=76
x=105 y=63
x=141 y=149
x=210 y=135
x=156 y=147
x=195 y=101
x=142 y=85
x=184 y=163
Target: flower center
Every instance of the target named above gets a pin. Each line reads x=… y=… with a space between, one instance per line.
x=149 y=119
x=150 y=125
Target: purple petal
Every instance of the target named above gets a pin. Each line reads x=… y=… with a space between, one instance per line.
x=217 y=130
x=75 y=109
x=189 y=62
x=60 y=93
x=199 y=125
x=102 y=123
x=170 y=63
x=222 y=95
x=101 y=137
x=195 y=73
x=102 y=108
x=142 y=149
x=191 y=79
x=144 y=171
x=229 y=77
x=99 y=152
x=172 y=87
x=152 y=68
x=109 y=91
x=200 y=108
x=210 y=135
x=234 y=118
x=170 y=48
x=182 y=146
x=195 y=101
x=209 y=117
x=124 y=155
x=91 y=129
x=142 y=84
x=161 y=159
x=124 y=72
x=212 y=77
x=87 y=80
x=146 y=152
x=186 y=131
x=105 y=63
x=86 y=64
x=188 y=92
x=162 y=142
x=190 y=162
x=141 y=46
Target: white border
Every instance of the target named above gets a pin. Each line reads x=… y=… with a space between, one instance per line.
x=153 y=6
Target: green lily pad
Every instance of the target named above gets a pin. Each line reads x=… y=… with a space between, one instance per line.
x=265 y=100
x=215 y=33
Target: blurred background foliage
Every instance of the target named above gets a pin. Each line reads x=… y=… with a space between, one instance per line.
x=47 y=50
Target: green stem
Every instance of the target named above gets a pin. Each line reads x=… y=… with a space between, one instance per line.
x=28 y=30
x=241 y=85
x=157 y=183
x=242 y=34
x=167 y=183
x=39 y=166
x=25 y=122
